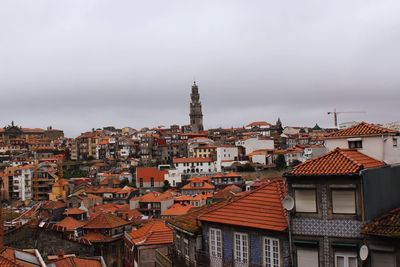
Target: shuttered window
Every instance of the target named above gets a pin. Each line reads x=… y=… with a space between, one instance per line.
x=305 y=200
x=215 y=243
x=241 y=249
x=344 y=201
x=307 y=257
x=271 y=252
x=383 y=259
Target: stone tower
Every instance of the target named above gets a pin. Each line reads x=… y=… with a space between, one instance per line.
x=196 y=116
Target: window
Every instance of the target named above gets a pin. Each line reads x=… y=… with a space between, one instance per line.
x=140 y=182
x=355 y=144
x=345 y=259
x=241 y=248
x=152 y=182
x=178 y=243
x=344 y=201
x=394 y=142
x=307 y=257
x=305 y=200
x=386 y=259
x=215 y=243
x=186 y=248
x=271 y=252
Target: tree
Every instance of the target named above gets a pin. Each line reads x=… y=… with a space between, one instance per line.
x=166 y=185
x=280 y=162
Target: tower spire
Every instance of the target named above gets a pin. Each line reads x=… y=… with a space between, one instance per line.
x=196 y=115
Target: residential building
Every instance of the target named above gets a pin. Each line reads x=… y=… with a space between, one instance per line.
x=222 y=180
x=144 y=246
x=196 y=186
x=377 y=142
x=334 y=195
x=174 y=178
x=248 y=231
x=150 y=179
x=195 y=166
x=256 y=143
x=176 y=210
x=226 y=156
x=153 y=203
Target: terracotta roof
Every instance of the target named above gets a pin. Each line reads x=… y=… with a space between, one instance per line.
x=151 y=172
x=4 y=262
x=53 y=205
x=227 y=192
x=155 y=232
x=337 y=162
x=105 y=221
x=361 y=129
x=19 y=259
x=107 y=180
x=229 y=174
x=75 y=261
x=261 y=208
x=258 y=124
x=74 y=211
x=70 y=224
x=154 y=197
x=204 y=186
x=387 y=225
x=190 y=160
x=177 y=209
x=189 y=222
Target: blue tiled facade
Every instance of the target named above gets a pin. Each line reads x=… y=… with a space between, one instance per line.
x=255 y=237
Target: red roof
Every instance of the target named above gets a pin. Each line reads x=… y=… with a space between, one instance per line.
x=258 y=124
x=70 y=224
x=177 y=209
x=76 y=261
x=387 y=225
x=261 y=208
x=361 y=129
x=105 y=221
x=337 y=162
x=190 y=160
x=147 y=173
x=154 y=197
x=204 y=186
x=155 y=232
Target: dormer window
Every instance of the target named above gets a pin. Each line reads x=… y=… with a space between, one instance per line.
x=355 y=143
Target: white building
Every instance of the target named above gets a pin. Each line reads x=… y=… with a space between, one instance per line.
x=256 y=143
x=22 y=183
x=226 y=155
x=374 y=141
x=194 y=165
x=174 y=177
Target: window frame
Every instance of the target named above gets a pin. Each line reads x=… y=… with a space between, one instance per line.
x=358 y=144
x=241 y=256
x=343 y=189
x=271 y=253
x=306 y=189
x=316 y=248
x=346 y=256
x=217 y=252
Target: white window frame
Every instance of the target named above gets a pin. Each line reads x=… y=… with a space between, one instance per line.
x=178 y=242
x=346 y=256
x=186 y=248
x=267 y=241
x=215 y=243
x=241 y=248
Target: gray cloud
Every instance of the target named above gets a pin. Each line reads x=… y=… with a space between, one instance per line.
x=82 y=64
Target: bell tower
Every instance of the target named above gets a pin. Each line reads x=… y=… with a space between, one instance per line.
x=196 y=115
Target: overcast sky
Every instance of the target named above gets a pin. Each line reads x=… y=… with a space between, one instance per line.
x=79 y=64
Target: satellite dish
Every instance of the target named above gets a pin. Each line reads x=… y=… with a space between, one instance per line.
x=363 y=252
x=288 y=203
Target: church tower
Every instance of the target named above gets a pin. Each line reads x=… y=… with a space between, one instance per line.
x=196 y=116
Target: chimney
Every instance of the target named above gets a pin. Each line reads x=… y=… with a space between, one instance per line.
x=60 y=253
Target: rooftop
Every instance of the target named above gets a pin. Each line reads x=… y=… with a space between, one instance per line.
x=387 y=225
x=361 y=129
x=155 y=232
x=337 y=162
x=261 y=209
x=105 y=221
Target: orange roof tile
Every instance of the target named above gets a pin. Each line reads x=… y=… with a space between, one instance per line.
x=337 y=162
x=75 y=261
x=147 y=173
x=105 y=221
x=155 y=232
x=52 y=205
x=361 y=129
x=177 y=209
x=204 y=186
x=4 y=262
x=74 y=211
x=261 y=208
x=70 y=224
x=154 y=197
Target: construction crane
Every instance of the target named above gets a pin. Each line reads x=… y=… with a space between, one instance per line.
x=335 y=113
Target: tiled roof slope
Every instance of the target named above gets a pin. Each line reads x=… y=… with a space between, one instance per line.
x=75 y=261
x=146 y=173
x=105 y=221
x=361 y=129
x=261 y=208
x=155 y=232
x=70 y=224
x=387 y=225
x=176 y=210
x=4 y=262
x=337 y=162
